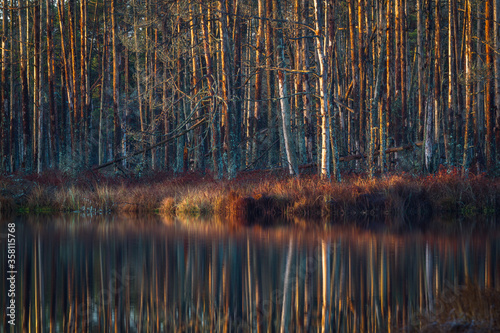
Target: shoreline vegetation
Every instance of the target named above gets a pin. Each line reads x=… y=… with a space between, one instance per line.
x=259 y=197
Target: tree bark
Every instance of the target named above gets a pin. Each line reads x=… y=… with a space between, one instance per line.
x=207 y=51
x=116 y=102
x=228 y=106
x=4 y=142
x=496 y=61
x=272 y=126
x=420 y=71
x=27 y=143
x=321 y=40
x=489 y=87
x=468 y=87
x=284 y=102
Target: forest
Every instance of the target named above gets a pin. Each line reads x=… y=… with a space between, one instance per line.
x=232 y=85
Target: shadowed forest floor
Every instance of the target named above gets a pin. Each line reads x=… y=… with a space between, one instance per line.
x=258 y=197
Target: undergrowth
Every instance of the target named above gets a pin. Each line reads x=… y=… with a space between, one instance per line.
x=259 y=197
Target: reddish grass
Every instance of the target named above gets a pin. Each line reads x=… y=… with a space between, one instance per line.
x=261 y=197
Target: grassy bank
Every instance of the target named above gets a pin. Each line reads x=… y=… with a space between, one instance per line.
x=258 y=197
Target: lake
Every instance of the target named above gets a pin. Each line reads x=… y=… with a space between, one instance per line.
x=150 y=274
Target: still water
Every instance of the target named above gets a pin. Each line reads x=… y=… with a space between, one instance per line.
x=119 y=274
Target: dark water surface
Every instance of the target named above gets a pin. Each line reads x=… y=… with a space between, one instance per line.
x=118 y=274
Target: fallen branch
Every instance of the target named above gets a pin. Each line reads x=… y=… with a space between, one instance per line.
x=148 y=148
x=376 y=154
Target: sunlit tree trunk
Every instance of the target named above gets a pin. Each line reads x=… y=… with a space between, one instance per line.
x=27 y=144
x=259 y=63
x=54 y=117
x=452 y=85
x=138 y=69
x=386 y=118
x=377 y=101
x=70 y=135
x=437 y=80
x=14 y=130
x=73 y=73
x=323 y=93
x=84 y=97
x=116 y=102
x=496 y=64
x=362 y=74
x=272 y=125
x=420 y=70
x=195 y=81
x=207 y=51
x=293 y=167
x=354 y=73
x=39 y=93
x=3 y=88
x=468 y=86
x=489 y=102
x=308 y=125
x=404 y=97
x=104 y=67
x=228 y=106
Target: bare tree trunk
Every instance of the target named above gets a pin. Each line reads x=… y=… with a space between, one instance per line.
x=76 y=106
x=496 y=64
x=362 y=75
x=228 y=107
x=321 y=41
x=377 y=100
x=355 y=74
x=4 y=142
x=308 y=125
x=272 y=125
x=138 y=70
x=37 y=121
x=452 y=87
x=437 y=80
x=420 y=70
x=489 y=101
x=27 y=143
x=468 y=86
x=84 y=94
x=404 y=98
x=386 y=119
x=284 y=102
x=116 y=101
x=54 y=118
x=259 y=62
x=198 y=136
x=211 y=90
x=68 y=86
x=101 y=136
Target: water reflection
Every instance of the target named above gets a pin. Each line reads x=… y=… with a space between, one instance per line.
x=78 y=274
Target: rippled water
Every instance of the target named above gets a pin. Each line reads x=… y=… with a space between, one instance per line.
x=121 y=274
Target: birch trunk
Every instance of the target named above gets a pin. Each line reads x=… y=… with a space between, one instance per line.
x=293 y=167
x=322 y=84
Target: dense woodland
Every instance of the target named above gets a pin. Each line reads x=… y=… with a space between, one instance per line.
x=231 y=85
